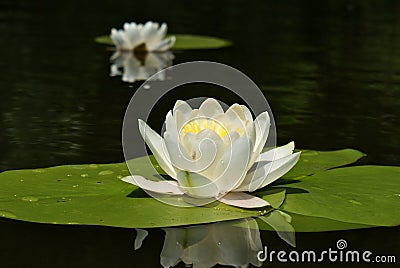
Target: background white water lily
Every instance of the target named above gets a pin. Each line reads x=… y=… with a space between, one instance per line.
x=147 y=37
x=215 y=154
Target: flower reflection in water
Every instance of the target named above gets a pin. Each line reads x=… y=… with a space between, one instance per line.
x=139 y=66
x=235 y=243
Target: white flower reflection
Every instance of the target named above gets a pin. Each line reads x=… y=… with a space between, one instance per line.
x=211 y=244
x=233 y=243
x=139 y=66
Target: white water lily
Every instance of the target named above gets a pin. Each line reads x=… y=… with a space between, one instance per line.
x=215 y=154
x=146 y=37
x=135 y=68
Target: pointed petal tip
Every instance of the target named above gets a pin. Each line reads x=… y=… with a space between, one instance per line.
x=161 y=187
x=291 y=145
x=243 y=200
x=128 y=179
x=296 y=155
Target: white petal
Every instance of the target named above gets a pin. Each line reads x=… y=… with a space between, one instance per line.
x=147 y=31
x=117 y=38
x=182 y=106
x=141 y=234
x=236 y=111
x=262 y=125
x=164 y=45
x=188 y=142
x=157 y=147
x=178 y=154
x=277 y=153
x=235 y=120
x=162 y=30
x=243 y=200
x=248 y=115
x=231 y=137
x=265 y=173
x=211 y=107
x=163 y=187
x=133 y=35
x=232 y=168
x=278 y=169
x=212 y=148
x=181 y=113
x=170 y=124
x=196 y=185
x=251 y=133
x=157 y=35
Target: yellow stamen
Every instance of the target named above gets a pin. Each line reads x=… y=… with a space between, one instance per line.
x=197 y=125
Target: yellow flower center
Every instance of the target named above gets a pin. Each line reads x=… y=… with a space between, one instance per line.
x=197 y=125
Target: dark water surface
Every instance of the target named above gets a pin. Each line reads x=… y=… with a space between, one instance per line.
x=329 y=69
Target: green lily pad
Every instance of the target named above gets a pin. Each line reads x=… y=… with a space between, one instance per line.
x=303 y=223
x=275 y=196
x=183 y=41
x=95 y=195
x=311 y=162
x=366 y=195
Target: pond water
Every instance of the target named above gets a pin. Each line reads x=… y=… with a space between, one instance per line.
x=330 y=71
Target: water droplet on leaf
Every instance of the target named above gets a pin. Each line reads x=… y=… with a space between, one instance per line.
x=38 y=170
x=106 y=172
x=354 y=202
x=7 y=214
x=30 y=198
